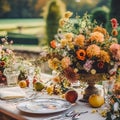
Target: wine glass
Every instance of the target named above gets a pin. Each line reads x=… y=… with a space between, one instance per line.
x=108 y=90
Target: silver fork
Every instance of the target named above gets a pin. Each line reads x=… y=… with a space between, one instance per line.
x=77 y=115
x=71 y=115
x=66 y=116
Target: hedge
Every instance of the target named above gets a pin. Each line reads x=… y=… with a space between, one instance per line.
x=22 y=38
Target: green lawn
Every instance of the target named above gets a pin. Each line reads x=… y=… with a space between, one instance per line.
x=29 y=26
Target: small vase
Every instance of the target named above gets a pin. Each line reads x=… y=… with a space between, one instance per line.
x=12 y=76
x=91 y=88
x=3 y=78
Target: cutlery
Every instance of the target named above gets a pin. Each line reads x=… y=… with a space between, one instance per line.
x=77 y=115
x=71 y=115
x=63 y=116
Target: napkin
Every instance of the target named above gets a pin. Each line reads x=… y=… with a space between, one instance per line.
x=11 y=93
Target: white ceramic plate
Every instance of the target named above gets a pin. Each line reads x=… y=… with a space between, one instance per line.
x=44 y=106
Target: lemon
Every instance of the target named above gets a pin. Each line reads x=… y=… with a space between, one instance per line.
x=38 y=86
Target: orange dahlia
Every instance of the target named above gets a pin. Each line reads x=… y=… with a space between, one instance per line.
x=100 y=29
x=104 y=56
x=79 y=40
x=96 y=36
x=93 y=51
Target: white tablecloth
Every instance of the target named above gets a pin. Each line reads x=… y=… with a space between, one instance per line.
x=10 y=105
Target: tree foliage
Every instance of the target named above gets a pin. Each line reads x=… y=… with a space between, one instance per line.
x=21 y=8
x=115 y=13
x=34 y=8
x=54 y=13
x=100 y=14
x=4 y=7
x=115 y=10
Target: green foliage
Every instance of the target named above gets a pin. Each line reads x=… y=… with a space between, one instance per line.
x=100 y=15
x=52 y=19
x=114 y=111
x=115 y=10
x=4 y=7
x=119 y=35
x=22 y=38
x=114 y=13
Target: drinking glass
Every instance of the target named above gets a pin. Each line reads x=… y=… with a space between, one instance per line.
x=108 y=90
x=12 y=76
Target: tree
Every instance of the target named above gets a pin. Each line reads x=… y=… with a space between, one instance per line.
x=115 y=10
x=54 y=13
x=100 y=14
x=4 y=7
x=115 y=13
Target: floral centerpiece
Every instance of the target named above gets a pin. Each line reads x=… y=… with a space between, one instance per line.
x=7 y=58
x=83 y=50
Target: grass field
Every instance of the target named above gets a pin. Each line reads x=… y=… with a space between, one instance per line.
x=28 y=26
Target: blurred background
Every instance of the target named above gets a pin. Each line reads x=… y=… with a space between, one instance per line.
x=32 y=24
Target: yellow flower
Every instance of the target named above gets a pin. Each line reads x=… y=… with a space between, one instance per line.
x=71 y=45
x=53 y=63
x=79 y=40
x=104 y=56
x=93 y=51
x=96 y=36
x=93 y=71
x=68 y=14
x=63 y=42
x=62 y=21
x=69 y=36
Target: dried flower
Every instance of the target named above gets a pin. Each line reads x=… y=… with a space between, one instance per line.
x=71 y=75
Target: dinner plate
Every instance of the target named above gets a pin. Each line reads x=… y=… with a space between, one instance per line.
x=44 y=105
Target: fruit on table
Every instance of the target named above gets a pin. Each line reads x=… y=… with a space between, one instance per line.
x=96 y=100
x=71 y=96
x=22 y=83
x=38 y=86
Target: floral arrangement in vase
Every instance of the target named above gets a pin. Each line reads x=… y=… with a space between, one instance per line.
x=7 y=58
x=82 y=48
